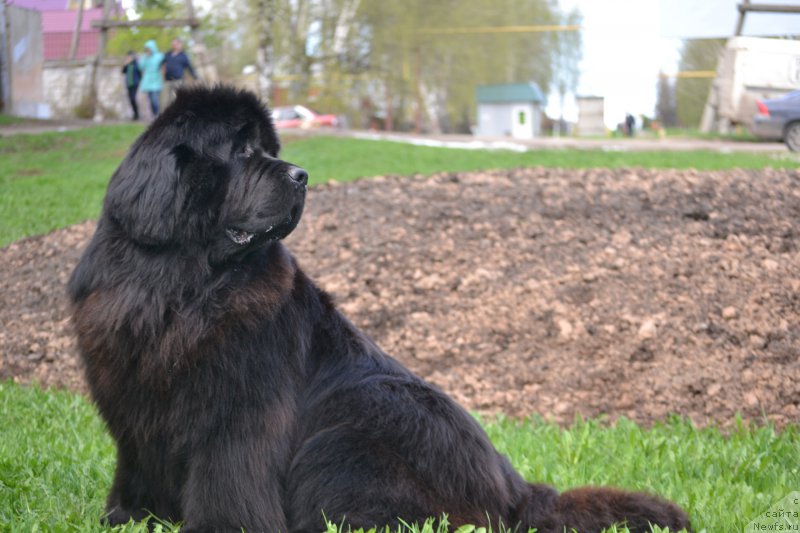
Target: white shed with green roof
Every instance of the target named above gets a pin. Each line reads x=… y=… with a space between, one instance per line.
x=509 y=110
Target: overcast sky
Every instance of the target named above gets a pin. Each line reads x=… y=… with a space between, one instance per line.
x=627 y=42
x=622 y=53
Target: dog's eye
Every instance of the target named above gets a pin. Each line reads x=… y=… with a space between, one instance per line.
x=246 y=151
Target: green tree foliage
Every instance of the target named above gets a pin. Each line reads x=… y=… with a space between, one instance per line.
x=428 y=62
x=691 y=93
x=230 y=34
x=666 y=112
x=124 y=39
x=410 y=64
x=222 y=30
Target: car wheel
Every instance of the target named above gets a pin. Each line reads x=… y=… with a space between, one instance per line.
x=792 y=137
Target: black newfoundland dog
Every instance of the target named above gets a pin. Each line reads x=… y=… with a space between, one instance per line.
x=238 y=396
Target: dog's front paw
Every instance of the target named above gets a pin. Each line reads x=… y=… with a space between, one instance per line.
x=116 y=516
x=206 y=528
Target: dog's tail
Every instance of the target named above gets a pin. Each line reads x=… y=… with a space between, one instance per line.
x=591 y=509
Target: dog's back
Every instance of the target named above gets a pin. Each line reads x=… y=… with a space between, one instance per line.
x=379 y=445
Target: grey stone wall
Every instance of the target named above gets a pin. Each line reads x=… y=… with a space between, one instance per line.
x=25 y=52
x=66 y=84
x=591 y=112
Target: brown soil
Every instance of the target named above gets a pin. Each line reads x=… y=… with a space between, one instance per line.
x=631 y=293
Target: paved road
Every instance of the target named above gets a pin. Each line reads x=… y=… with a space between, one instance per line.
x=543 y=143
x=42 y=126
x=472 y=142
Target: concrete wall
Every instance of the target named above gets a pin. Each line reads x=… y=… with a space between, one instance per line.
x=26 y=52
x=591 y=120
x=498 y=120
x=5 y=89
x=65 y=85
x=54 y=89
x=57 y=89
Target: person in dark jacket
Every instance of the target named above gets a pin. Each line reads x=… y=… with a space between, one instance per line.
x=174 y=66
x=132 y=78
x=630 y=124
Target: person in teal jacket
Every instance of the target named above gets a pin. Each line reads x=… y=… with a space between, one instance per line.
x=150 y=65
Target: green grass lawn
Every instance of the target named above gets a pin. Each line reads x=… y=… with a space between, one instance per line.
x=9 y=120
x=57 y=461
x=52 y=180
x=739 y=134
x=13 y=120
x=332 y=158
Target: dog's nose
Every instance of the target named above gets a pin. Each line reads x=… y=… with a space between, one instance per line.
x=298 y=175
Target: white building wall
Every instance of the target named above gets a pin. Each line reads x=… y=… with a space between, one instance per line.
x=494 y=120
x=591 y=113
x=498 y=120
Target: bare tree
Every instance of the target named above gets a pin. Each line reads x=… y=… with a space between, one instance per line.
x=76 y=34
x=344 y=23
x=402 y=59
x=665 y=104
x=265 y=63
x=566 y=58
x=691 y=93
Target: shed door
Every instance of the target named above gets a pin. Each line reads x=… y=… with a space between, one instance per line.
x=522 y=125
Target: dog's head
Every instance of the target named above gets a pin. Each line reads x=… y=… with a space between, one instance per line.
x=206 y=175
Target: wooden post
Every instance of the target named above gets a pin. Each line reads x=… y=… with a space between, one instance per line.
x=144 y=23
x=418 y=90
x=98 y=57
x=746 y=7
x=389 y=122
x=201 y=59
x=190 y=14
x=742 y=12
x=76 y=35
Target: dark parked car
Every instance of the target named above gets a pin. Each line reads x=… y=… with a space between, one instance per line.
x=779 y=119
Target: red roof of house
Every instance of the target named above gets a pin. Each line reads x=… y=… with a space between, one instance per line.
x=41 y=5
x=58 y=25
x=57 y=30
x=64 y=20
x=57 y=45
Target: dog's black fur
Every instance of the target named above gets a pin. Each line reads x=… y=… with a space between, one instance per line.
x=237 y=394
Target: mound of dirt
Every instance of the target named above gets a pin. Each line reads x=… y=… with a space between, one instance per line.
x=630 y=293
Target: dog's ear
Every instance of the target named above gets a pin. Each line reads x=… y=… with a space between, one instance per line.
x=142 y=194
x=184 y=155
x=269 y=138
x=245 y=140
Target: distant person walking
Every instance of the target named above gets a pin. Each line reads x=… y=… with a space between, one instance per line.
x=174 y=67
x=133 y=76
x=630 y=124
x=152 y=83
